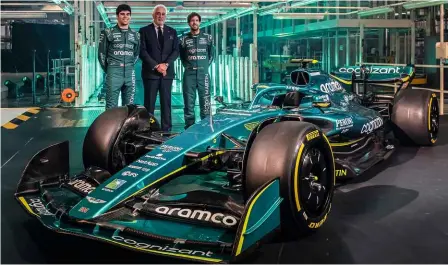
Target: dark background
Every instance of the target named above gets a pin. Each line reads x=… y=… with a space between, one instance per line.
x=27 y=37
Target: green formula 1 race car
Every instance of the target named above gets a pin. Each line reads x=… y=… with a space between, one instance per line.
x=253 y=170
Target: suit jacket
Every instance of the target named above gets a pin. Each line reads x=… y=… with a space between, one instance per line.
x=151 y=54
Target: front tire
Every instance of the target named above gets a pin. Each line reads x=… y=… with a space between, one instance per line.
x=298 y=153
x=101 y=144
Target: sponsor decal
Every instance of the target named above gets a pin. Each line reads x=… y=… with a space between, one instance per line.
x=131 y=37
x=129 y=173
x=193 y=51
x=148 y=163
x=168 y=148
x=341 y=172
x=132 y=174
x=371 y=69
x=202 y=41
x=122 y=45
x=314 y=73
x=323 y=98
x=372 y=125
x=115 y=184
x=344 y=123
x=310 y=136
x=318 y=224
x=330 y=87
x=125 y=53
x=82 y=186
x=83 y=209
x=201 y=215
x=165 y=248
x=156 y=157
x=194 y=57
x=189 y=41
x=37 y=205
x=94 y=200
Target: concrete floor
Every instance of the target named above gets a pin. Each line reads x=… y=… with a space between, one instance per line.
x=395 y=213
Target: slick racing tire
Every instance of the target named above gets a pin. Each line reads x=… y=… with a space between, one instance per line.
x=300 y=155
x=102 y=142
x=415 y=117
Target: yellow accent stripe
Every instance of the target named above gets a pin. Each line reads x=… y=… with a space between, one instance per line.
x=23 y=201
x=23 y=117
x=429 y=114
x=342 y=80
x=10 y=125
x=246 y=220
x=347 y=143
x=296 y=177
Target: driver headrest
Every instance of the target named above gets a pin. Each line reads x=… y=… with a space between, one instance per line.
x=292 y=99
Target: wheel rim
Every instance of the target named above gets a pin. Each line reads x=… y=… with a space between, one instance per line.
x=314 y=183
x=434 y=120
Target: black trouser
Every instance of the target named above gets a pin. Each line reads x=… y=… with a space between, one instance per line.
x=163 y=86
x=195 y=81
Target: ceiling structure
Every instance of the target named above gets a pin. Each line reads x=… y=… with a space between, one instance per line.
x=212 y=11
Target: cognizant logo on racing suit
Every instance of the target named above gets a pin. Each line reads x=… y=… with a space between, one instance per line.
x=193 y=51
x=217 y=218
x=371 y=69
x=127 y=53
x=162 y=248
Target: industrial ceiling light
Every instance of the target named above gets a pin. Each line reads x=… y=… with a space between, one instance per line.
x=102 y=11
x=425 y=3
x=375 y=11
x=298 y=16
x=18 y=15
x=304 y=3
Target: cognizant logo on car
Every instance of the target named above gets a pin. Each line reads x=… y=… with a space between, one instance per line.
x=372 y=69
x=201 y=215
x=162 y=248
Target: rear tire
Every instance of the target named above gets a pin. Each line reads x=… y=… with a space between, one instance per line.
x=101 y=143
x=415 y=116
x=298 y=153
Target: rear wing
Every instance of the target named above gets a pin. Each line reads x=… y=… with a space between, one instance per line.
x=375 y=74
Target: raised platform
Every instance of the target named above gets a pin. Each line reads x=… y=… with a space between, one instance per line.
x=395 y=213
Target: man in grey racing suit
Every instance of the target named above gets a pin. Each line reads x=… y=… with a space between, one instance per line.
x=118 y=51
x=196 y=54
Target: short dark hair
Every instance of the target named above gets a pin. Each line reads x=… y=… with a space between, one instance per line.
x=194 y=14
x=123 y=7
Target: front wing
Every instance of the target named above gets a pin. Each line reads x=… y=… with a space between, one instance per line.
x=49 y=169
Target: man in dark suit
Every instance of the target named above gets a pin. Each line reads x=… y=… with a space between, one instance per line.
x=159 y=49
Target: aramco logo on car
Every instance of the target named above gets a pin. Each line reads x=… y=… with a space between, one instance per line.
x=201 y=215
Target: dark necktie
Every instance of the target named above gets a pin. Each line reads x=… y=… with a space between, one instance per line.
x=160 y=37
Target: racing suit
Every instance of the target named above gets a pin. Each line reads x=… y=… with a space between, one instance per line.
x=118 y=51
x=196 y=54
